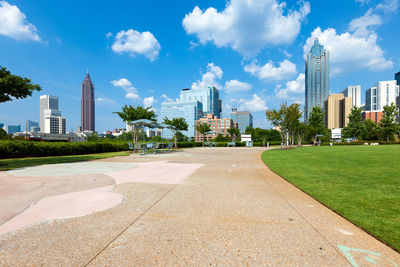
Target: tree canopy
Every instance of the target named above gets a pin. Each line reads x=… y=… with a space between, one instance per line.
x=355 y=127
x=176 y=125
x=234 y=133
x=203 y=128
x=388 y=123
x=14 y=86
x=316 y=123
x=287 y=117
x=130 y=113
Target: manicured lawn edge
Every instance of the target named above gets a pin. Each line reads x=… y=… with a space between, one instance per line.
x=328 y=206
x=14 y=163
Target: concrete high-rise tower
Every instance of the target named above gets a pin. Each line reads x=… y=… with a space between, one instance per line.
x=87 y=105
x=317 y=78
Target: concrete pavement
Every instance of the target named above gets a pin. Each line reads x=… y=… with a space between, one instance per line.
x=211 y=206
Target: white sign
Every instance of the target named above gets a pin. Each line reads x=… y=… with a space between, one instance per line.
x=246 y=137
x=336 y=133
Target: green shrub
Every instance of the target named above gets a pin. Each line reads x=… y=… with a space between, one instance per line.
x=19 y=149
x=361 y=142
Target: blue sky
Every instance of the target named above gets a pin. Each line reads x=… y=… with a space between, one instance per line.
x=144 y=52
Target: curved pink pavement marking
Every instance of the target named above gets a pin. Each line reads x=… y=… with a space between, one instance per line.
x=65 y=206
x=99 y=199
x=157 y=172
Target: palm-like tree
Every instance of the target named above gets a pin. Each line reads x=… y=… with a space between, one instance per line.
x=176 y=125
x=234 y=133
x=203 y=128
x=131 y=114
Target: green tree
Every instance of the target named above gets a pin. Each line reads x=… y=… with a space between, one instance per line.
x=355 y=126
x=130 y=113
x=234 y=133
x=277 y=117
x=389 y=125
x=93 y=137
x=287 y=117
x=274 y=135
x=371 y=131
x=3 y=134
x=221 y=138
x=13 y=86
x=261 y=135
x=300 y=132
x=316 y=123
x=203 y=128
x=176 y=125
x=251 y=130
x=292 y=117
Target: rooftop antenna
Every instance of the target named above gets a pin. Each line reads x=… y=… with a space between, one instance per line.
x=87 y=70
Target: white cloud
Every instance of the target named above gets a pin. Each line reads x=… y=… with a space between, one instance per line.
x=388 y=6
x=362 y=2
x=166 y=98
x=253 y=104
x=357 y=48
x=365 y=25
x=105 y=101
x=209 y=78
x=13 y=23
x=148 y=101
x=131 y=92
x=134 y=42
x=349 y=51
x=293 y=90
x=246 y=26
x=109 y=34
x=133 y=96
x=234 y=86
x=269 y=72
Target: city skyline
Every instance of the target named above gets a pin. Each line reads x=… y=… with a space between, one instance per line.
x=251 y=73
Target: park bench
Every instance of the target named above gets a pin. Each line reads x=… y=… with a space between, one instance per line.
x=231 y=144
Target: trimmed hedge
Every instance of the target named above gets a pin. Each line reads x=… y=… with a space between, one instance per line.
x=360 y=143
x=224 y=144
x=20 y=149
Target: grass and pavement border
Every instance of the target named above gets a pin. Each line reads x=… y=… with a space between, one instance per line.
x=359 y=183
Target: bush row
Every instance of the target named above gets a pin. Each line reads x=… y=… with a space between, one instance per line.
x=355 y=143
x=19 y=149
x=224 y=144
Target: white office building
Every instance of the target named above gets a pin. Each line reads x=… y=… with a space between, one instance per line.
x=51 y=120
x=47 y=102
x=382 y=94
x=55 y=125
x=353 y=91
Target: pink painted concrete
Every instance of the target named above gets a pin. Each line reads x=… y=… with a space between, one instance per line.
x=85 y=202
x=65 y=206
x=159 y=172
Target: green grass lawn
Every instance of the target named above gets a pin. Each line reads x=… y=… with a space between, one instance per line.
x=361 y=183
x=8 y=164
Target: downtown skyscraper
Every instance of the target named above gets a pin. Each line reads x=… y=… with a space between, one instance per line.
x=317 y=78
x=87 y=105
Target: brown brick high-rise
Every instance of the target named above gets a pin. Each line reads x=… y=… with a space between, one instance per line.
x=87 y=105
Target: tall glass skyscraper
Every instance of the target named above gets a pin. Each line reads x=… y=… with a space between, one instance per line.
x=87 y=105
x=244 y=119
x=317 y=78
x=209 y=97
x=191 y=111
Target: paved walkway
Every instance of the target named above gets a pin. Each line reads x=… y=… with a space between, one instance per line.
x=196 y=207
